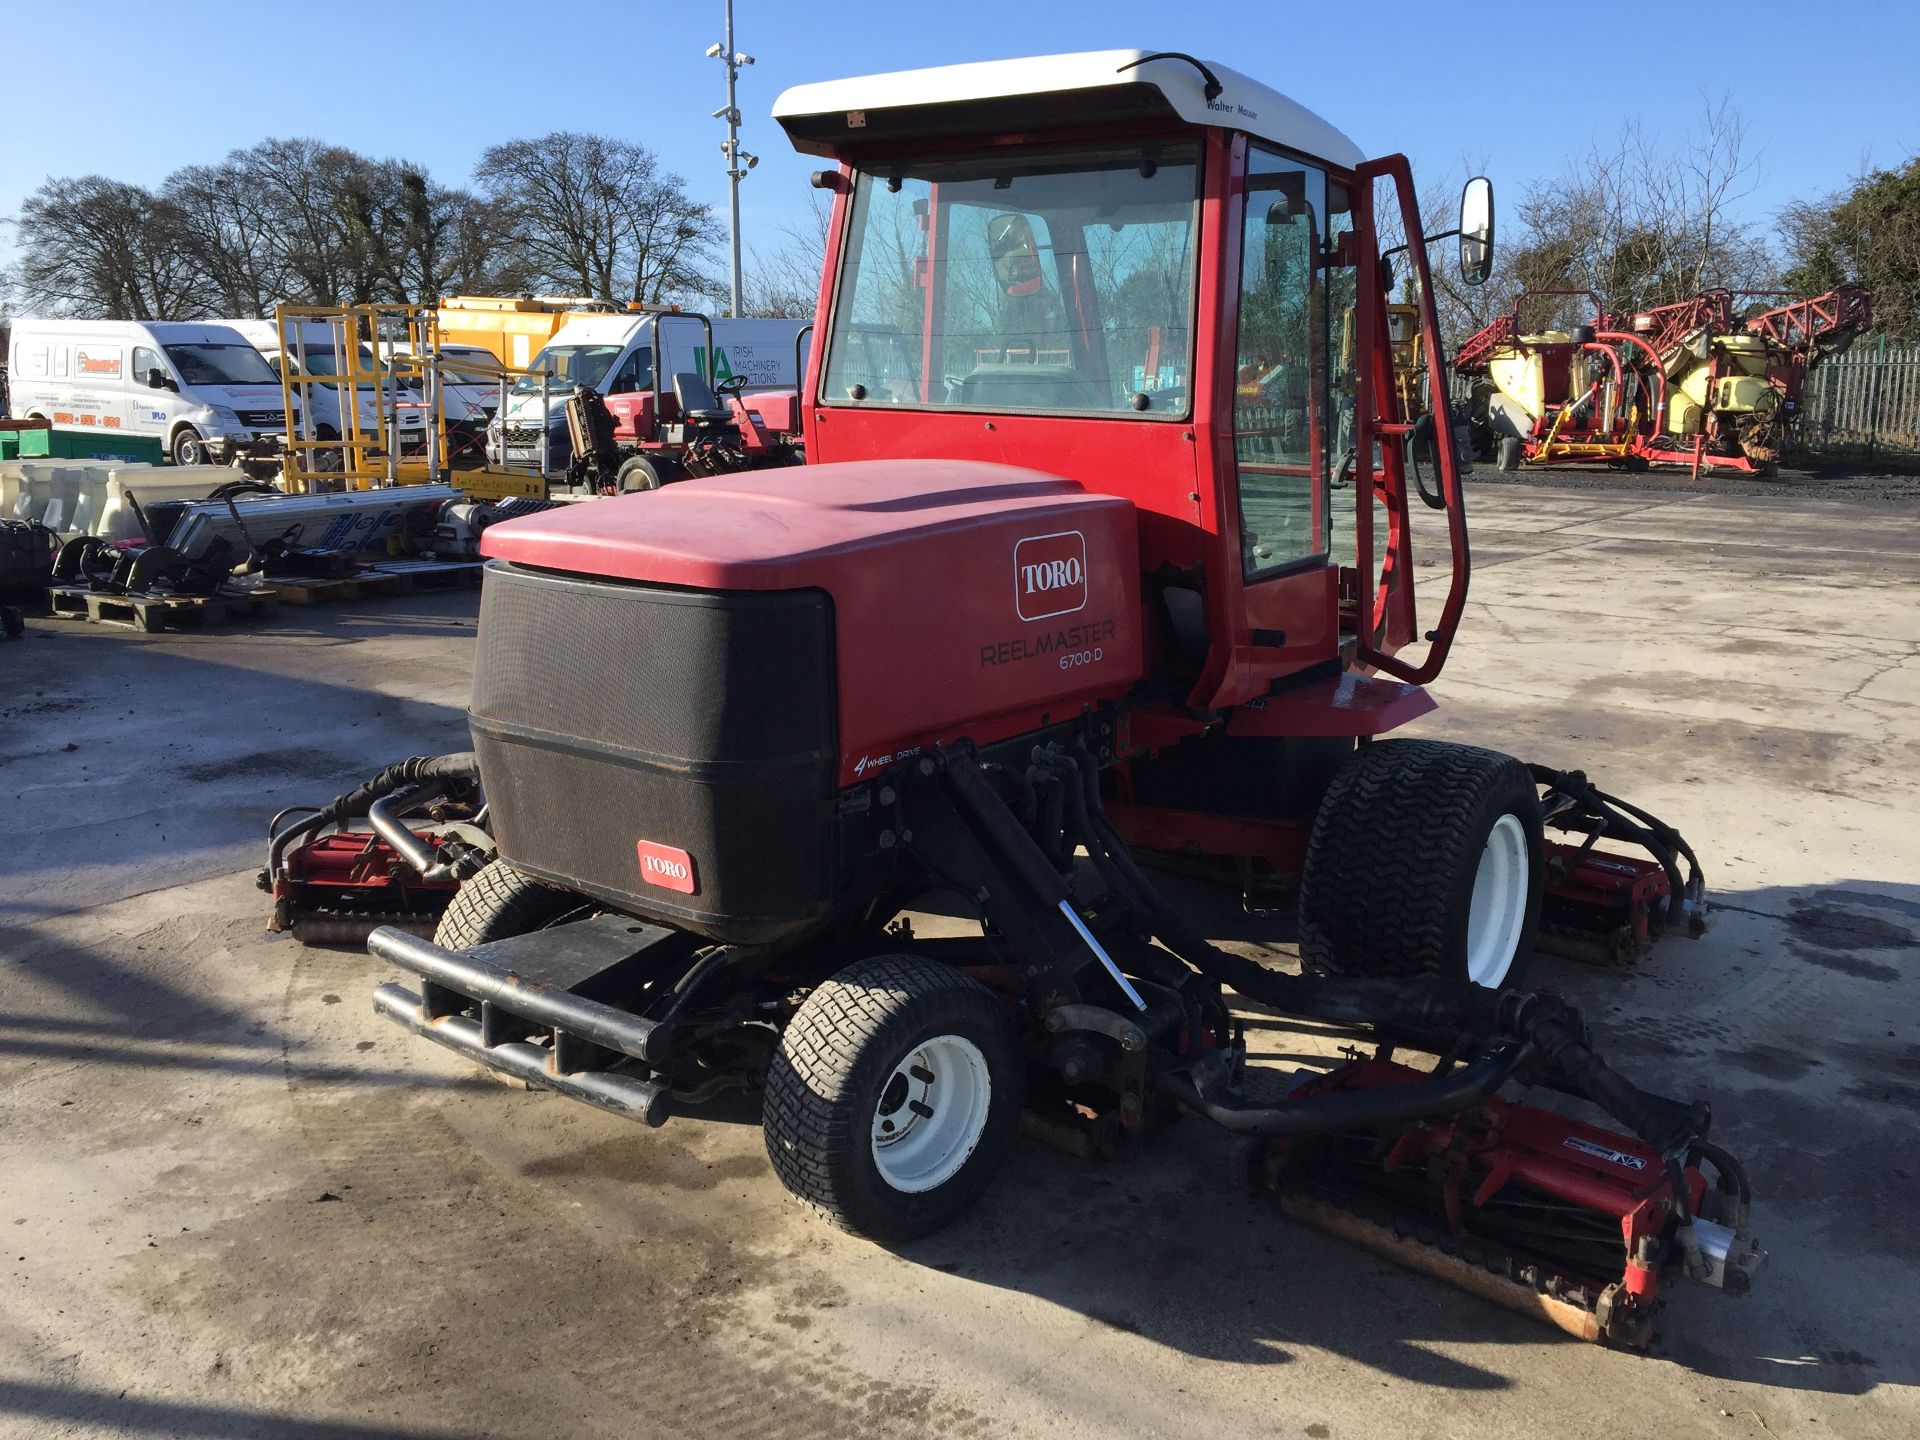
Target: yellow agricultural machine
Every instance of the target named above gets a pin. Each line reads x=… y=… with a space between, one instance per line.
x=383 y=397
x=1684 y=384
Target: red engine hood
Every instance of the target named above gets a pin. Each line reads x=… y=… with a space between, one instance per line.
x=781 y=529
x=970 y=599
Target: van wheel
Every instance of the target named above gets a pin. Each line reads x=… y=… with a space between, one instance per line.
x=894 y=1096
x=1426 y=858
x=187 y=448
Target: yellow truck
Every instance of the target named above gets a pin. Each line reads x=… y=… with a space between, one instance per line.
x=512 y=329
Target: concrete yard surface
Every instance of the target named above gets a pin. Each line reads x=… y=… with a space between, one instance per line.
x=235 y=1203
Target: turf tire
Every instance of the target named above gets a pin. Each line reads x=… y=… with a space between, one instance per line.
x=827 y=1080
x=1389 y=876
x=500 y=903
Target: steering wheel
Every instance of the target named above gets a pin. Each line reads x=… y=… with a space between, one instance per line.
x=731 y=387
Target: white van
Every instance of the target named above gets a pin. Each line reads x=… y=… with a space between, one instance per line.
x=469 y=382
x=615 y=355
x=315 y=342
x=195 y=389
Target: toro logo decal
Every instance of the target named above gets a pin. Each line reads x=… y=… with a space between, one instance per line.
x=1050 y=575
x=666 y=867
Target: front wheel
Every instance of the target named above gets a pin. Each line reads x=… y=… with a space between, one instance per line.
x=894 y=1096
x=1426 y=858
x=500 y=903
x=187 y=446
x=637 y=472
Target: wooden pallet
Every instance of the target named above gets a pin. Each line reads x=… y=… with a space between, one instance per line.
x=156 y=611
x=397 y=578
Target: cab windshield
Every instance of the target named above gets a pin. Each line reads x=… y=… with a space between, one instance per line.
x=569 y=365
x=1032 y=280
x=220 y=365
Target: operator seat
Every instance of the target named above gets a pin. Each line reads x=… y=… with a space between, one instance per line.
x=697 y=400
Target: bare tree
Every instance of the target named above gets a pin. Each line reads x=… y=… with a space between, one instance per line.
x=598 y=216
x=300 y=222
x=1644 y=222
x=226 y=235
x=97 y=247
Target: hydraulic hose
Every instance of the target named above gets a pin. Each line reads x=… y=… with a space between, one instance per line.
x=1652 y=834
x=440 y=771
x=1359 y=1109
x=1733 y=1179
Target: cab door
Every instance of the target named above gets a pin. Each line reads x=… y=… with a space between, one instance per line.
x=1280 y=608
x=148 y=410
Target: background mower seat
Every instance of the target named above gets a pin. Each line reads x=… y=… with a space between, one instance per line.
x=697 y=400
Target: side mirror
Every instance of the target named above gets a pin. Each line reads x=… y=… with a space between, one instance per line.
x=1292 y=203
x=1015 y=254
x=1476 y=231
x=156 y=379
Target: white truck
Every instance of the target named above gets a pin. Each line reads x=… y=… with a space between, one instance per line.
x=615 y=354
x=188 y=390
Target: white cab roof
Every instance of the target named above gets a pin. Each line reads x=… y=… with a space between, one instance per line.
x=1242 y=104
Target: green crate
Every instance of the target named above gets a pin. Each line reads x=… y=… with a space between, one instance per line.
x=105 y=445
x=25 y=443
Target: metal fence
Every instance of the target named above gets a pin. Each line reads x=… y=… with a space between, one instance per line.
x=1862 y=406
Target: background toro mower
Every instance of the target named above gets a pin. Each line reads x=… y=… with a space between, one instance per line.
x=642 y=438
x=1053 y=590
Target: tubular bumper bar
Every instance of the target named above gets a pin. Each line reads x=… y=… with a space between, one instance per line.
x=510 y=1004
x=624 y=1095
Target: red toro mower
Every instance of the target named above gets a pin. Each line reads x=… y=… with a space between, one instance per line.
x=643 y=438
x=1049 y=588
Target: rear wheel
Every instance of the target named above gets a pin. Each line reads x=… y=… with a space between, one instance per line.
x=500 y=903
x=893 y=1097
x=1426 y=859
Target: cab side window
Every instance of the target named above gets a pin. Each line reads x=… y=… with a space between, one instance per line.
x=1280 y=377
x=145 y=362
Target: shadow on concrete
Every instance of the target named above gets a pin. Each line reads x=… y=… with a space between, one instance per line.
x=130 y=767
x=122 y=1015
x=50 y=1406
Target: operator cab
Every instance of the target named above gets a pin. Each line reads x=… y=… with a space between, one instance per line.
x=1138 y=271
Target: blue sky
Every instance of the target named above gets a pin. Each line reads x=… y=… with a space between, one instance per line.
x=133 y=90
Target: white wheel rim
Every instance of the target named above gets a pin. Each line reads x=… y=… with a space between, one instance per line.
x=932 y=1112
x=1498 y=909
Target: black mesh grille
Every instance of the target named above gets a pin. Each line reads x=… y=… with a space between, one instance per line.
x=606 y=713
